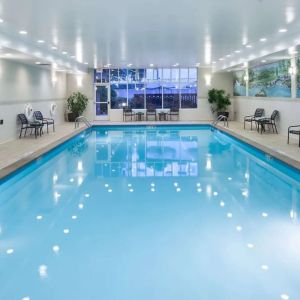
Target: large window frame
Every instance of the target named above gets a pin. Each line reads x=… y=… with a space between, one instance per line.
x=166 y=79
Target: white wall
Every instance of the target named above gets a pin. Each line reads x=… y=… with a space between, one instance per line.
x=21 y=84
x=202 y=113
x=289 y=109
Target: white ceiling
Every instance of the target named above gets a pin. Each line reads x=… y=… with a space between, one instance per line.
x=162 y=32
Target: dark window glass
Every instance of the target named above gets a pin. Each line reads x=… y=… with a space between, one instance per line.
x=132 y=74
x=188 y=93
x=153 y=95
x=136 y=95
x=114 y=75
x=118 y=95
x=123 y=76
x=105 y=76
x=171 y=94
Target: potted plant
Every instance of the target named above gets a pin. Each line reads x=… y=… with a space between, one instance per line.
x=219 y=102
x=77 y=104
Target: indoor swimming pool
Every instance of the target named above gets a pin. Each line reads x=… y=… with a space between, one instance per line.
x=151 y=213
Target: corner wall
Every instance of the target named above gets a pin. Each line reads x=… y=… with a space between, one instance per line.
x=21 y=84
x=202 y=113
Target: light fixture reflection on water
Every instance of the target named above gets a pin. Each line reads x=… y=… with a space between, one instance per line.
x=87 y=195
x=208 y=163
x=264 y=215
x=71 y=180
x=43 y=271
x=178 y=189
x=55 y=249
x=284 y=297
x=264 y=267
x=199 y=190
x=215 y=193
x=222 y=203
x=293 y=214
x=55 y=178
x=239 y=228
x=39 y=217
x=66 y=231
x=74 y=217
x=229 y=215
x=229 y=178
x=80 y=180
x=80 y=206
x=80 y=166
x=10 y=251
x=109 y=190
x=250 y=246
x=26 y=298
x=208 y=190
x=152 y=189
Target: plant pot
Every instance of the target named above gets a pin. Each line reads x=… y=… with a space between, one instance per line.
x=72 y=117
x=224 y=113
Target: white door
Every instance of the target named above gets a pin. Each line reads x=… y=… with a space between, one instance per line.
x=102 y=102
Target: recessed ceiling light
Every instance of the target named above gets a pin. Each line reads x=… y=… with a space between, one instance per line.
x=23 y=32
x=221 y=59
x=1 y=21
x=129 y=65
x=86 y=63
x=228 y=55
x=54 y=48
x=8 y=54
x=64 y=52
x=151 y=65
x=263 y=61
x=37 y=62
x=41 y=41
x=248 y=46
x=214 y=62
x=73 y=56
x=263 y=39
x=237 y=51
x=197 y=65
x=282 y=30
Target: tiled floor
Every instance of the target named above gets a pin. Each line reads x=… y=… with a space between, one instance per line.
x=17 y=153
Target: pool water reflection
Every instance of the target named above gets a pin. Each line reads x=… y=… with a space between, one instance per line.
x=151 y=213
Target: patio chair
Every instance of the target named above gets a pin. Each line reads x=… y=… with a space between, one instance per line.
x=46 y=121
x=271 y=122
x=25 y=124
x=127 y=112
x=294 y=130
x=150 y=113
x=174 y=112
x=259 y=112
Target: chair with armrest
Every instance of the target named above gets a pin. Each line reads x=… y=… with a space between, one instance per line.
x=174 y=112
x=25 y=124
x=295 y=129
x=271 y=122
x=46 y=121
x=259 y=112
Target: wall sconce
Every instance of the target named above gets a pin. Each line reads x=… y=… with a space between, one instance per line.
x=246 y=78
x=207 y=78
x=292 y=71
x=79 y=80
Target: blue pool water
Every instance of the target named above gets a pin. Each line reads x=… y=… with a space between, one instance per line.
x=152 y=213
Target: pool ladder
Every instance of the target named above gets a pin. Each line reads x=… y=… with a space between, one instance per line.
x=82 y=119
x=219 y=119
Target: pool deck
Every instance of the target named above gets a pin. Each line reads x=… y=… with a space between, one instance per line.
x=17 y=153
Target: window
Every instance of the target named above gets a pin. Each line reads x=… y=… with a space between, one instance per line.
x=151 y=88
x=118 y=95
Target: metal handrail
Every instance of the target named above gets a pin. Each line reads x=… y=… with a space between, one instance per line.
x=220 y=118
x=82 y=119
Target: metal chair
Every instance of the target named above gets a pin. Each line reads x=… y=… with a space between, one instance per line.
x=25 y=124
x=174 y=112
x=127 y=112
x=46 y=121
x=271 y=122
x=294 y=131
x=259 y=112
x=151 y=113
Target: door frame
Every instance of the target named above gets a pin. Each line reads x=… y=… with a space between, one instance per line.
x=107 y=117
